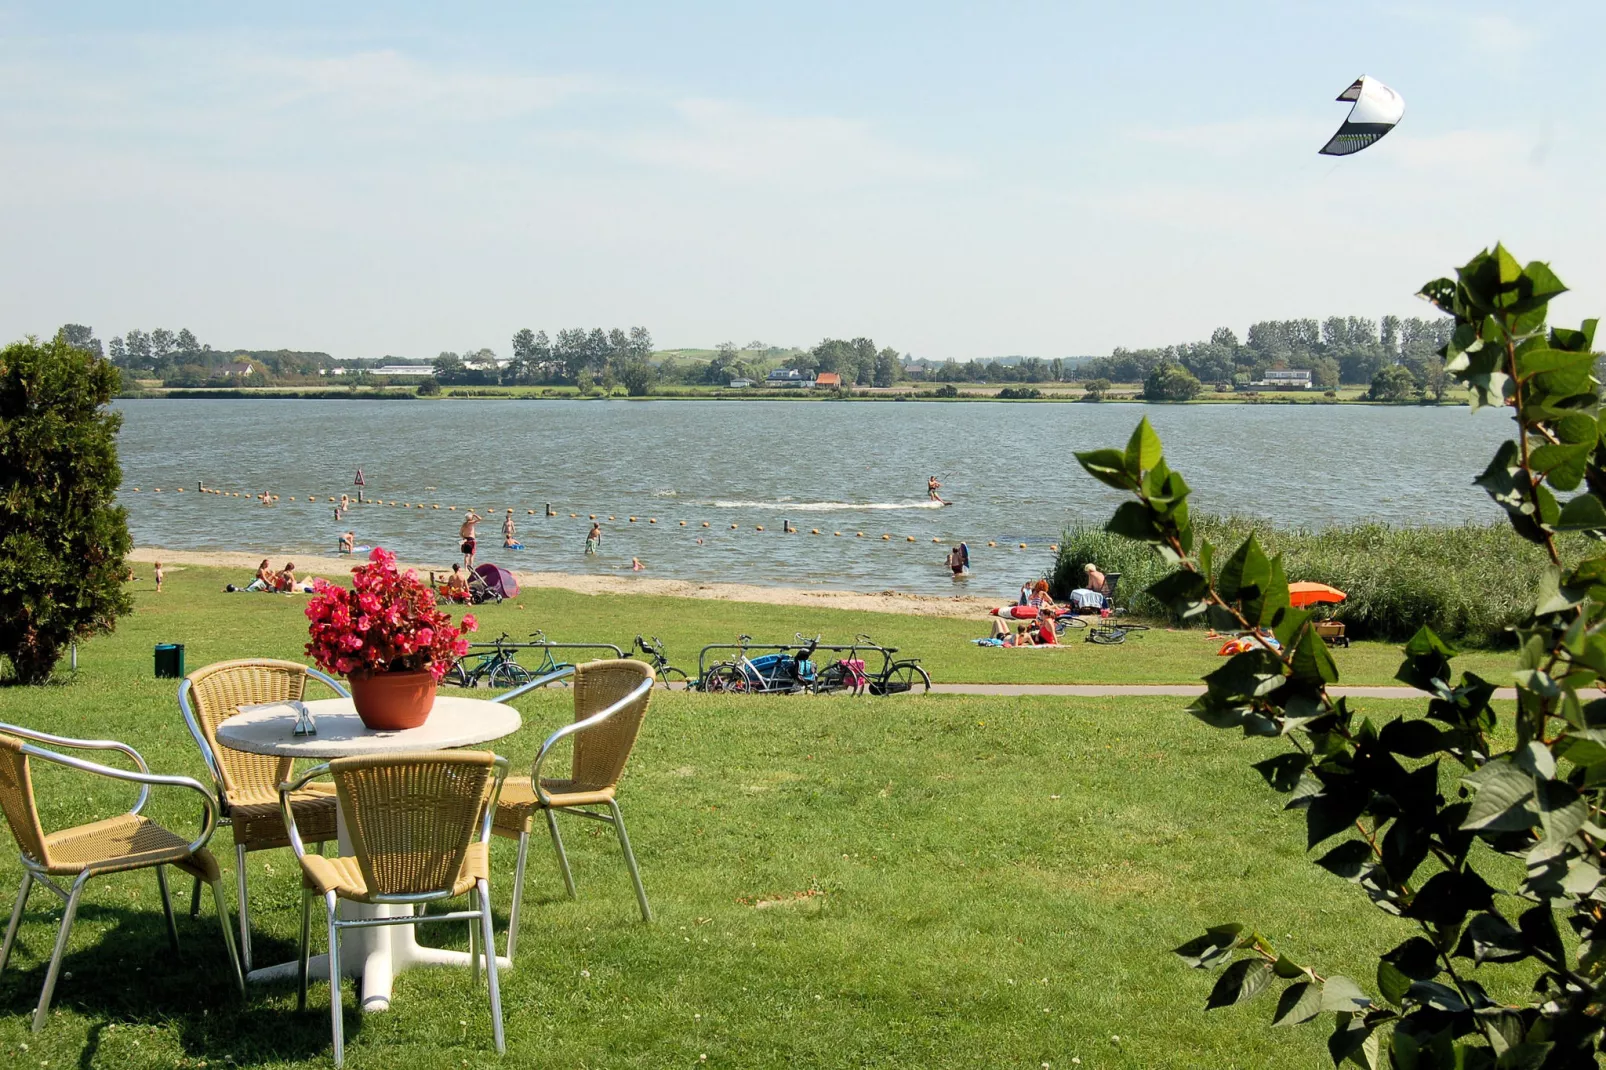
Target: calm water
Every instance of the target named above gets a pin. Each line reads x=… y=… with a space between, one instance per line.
x=843 y=467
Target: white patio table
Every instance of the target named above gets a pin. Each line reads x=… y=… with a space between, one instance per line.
x=378 y=953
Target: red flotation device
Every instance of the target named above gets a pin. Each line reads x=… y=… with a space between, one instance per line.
x=1018 y=612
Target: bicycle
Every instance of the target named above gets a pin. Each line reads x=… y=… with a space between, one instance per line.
x=779 y=673
x=667 y=674
x=1107 y=633
x=497 y=667
x=896 y=677
x=549 y=664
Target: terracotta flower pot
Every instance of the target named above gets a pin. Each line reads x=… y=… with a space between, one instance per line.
x=392 y=701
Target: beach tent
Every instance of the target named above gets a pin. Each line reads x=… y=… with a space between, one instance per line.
x=1377 y=109
x=1303 y=594
x=498 y=580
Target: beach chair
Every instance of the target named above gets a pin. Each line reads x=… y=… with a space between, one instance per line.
x=119 y=844
x=610 y=701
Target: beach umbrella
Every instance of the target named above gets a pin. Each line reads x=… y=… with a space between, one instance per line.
x=1303 y=594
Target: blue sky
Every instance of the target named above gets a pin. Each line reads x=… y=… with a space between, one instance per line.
x=953 y=180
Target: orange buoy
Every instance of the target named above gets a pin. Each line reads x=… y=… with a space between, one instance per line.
x=814 y=531
x=1023 y=546
x=136 y=490
x=886 y=538
x=836 y=533
x=610 y=518
x=292 y=497
x=733 y=527
x=992 y=544
x=760 y=527
x=1052 y=548
x=909 y=538
x=452 y=508
x=858 y=534
x=530 y=511
x=682 y=523
x=573 y=515
x=935 y=539
x=593 y=515
x=632 y=520
x=652 y=520
x=705 y=523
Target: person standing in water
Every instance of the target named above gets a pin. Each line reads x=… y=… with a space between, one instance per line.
x=594 y=539
x=467 y=534
x=932 y=487
x=956 y=561
x=507 y=530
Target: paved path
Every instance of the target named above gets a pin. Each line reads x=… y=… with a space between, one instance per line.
x=1163 y=690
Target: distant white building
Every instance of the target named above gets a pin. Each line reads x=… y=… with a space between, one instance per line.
x=1286 y=379
x=738 y=384
x=789 y=379
x=406 y=371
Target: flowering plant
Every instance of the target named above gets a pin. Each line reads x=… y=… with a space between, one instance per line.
x=386 y=622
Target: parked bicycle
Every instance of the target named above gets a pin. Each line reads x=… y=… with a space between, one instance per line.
x=667 y=674
x=894 y=677
x=494 y=667
x=782 y=672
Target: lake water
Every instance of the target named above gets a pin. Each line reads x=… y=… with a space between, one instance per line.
x=850 y=467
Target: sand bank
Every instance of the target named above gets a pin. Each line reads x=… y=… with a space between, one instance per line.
x=878 y=602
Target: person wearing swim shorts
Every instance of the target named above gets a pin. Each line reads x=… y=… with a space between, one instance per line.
x=507 y=529
x=466 y=533
x=348 y=541
x=956 y=562
x=457 y=585
x=594 y=539
x=932 y=486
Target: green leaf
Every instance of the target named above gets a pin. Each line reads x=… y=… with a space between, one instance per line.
x=1534 y=361
x=1299 y=1003
x=1491 y=938
x=1350 y=860
x=1243 y=980
x=1416 y=958
x=1502 y=802
x=1341 y=994
x=1273 y=596
x=1562 y=465
x=1135 y=521
x=1211 y=949
x=1334 y=810
x=1282 y=772
x=1245 y=572
x=1582 y=513
x=1449 y=896
x=1413 y=738
x=1562 y=812
x=1439 y=997
x=1312 y=661
x=1142 y=449
x=1528 y=1055
x=1183 y=591
x=1392 y=982
x=1107 y=466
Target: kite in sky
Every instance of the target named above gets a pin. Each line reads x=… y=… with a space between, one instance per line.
x=1377 y=109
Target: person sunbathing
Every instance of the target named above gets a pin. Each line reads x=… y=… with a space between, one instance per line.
x=457 y=585
x=264 y=578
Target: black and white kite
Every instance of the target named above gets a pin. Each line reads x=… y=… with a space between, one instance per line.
x=1377 y=109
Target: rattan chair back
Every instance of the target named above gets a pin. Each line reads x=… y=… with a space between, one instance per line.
x=217 y=693
x=600 y=752
x=16 y=799
x=412 y=817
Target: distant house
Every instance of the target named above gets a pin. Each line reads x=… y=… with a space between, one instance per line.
x=789 y=379
x=1286 y=379
x=828 y=381
x=740 y=384
x=237 y=369
x=406 y=371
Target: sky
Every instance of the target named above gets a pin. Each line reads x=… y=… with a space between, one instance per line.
x=954 y=180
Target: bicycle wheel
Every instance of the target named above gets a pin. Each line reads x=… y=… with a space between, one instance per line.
x=834 y=678
x=1107 y=636
x=726 y=679
x=902 y=677
x=510 y=674
x=456 y=676
x=1066 y=623
x=672 y=677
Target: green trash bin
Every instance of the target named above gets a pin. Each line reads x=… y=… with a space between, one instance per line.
x=169 y=660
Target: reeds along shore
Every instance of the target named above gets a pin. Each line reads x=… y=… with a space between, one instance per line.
x=1468 y=583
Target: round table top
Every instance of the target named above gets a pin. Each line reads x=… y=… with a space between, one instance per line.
x=453 y=722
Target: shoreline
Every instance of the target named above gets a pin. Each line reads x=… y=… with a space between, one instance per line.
x=916 y=605
x=495 y=394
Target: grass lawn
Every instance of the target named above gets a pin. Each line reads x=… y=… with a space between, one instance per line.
x=194 y=610
x=937 y=881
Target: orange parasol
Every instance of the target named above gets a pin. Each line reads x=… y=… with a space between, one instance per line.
x=1301 y=595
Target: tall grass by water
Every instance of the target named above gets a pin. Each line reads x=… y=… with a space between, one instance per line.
x=1469 y=582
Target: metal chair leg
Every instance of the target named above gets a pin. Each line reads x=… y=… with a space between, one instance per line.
x=630 y=860
x=243 y=905
x=195 y=898
x=221 y=905
x=473 y=953
x=490 y=967
x=167 y=906
x=332 y=906
x=563 y=858
x=68 y=913
x=16 y=918
x=304 y=955
x=518 y=894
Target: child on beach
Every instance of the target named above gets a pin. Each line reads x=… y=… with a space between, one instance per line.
x=158 y=577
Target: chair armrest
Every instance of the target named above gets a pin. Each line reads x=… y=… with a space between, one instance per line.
x=641 y=689
x=214 y=770
x=333 y=684
x=287 y=789
x=85 y=744
x=143 y=777
x=539 y=681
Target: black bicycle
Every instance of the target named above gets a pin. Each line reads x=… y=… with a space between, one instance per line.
x=667 y=674
x=1108 y=633
x=494 y=667
x=895 y=677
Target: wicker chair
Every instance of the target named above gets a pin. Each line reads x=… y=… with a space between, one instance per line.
x=247 y=784
x=115 y=845
x=610 y=700
x=420 y=829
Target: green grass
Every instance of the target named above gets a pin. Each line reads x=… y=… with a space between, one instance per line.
x=999 y=882
x=195 y=610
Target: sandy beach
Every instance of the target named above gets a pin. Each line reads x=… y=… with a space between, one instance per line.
x=877 y=602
